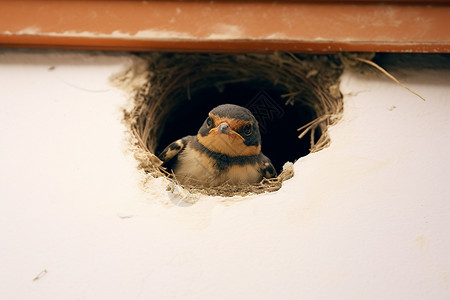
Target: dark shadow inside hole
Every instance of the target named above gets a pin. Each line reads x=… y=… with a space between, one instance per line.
x=278 y=122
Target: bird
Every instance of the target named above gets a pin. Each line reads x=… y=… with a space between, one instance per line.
x=226 y=149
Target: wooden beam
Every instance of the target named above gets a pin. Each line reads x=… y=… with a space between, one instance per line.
x=226 y=26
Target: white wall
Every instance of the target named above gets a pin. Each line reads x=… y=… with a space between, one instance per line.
x=367 y=218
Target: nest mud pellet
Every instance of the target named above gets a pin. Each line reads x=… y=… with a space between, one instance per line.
x=179 y=86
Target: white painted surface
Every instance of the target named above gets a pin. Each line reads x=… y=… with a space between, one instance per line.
x=367 y=218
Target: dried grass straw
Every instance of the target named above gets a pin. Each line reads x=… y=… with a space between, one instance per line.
x=173 y=78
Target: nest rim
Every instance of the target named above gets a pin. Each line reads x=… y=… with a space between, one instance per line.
x=308 y=83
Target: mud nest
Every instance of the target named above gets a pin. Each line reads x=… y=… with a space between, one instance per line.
x=295 y=99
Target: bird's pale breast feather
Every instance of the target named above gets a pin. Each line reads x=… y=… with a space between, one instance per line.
x=196 y=167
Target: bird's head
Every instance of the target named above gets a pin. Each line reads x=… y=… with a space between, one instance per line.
x=231 y=130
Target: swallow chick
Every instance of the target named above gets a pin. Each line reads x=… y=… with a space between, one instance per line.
x=226 y=149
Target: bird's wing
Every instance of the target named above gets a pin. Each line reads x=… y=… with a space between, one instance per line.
x=267 y=169
x=174 y=148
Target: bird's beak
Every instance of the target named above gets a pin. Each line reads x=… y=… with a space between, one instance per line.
x=224 y=128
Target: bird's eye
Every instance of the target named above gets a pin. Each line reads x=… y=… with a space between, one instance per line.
x=208 y=122
x=248 y=129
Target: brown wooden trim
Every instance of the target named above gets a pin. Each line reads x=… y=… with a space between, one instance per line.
x=226 y=26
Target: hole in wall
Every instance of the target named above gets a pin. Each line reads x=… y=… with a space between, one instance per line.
x=284 y=92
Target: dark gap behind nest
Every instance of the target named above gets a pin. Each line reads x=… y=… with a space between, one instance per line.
x=278 y=122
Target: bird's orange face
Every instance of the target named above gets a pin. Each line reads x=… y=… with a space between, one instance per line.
x=227 y=136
